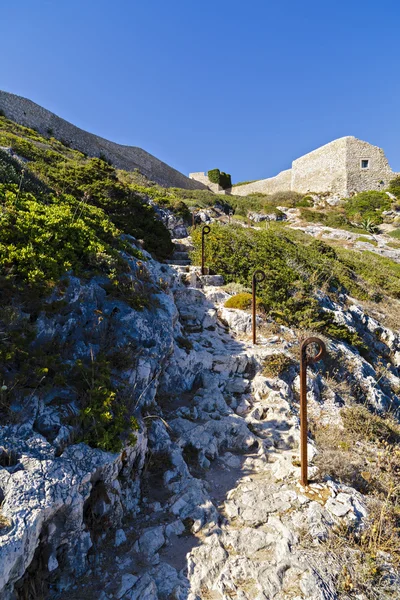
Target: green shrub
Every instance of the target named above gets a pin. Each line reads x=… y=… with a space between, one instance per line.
x=244 y=183
x=331 y=218
x=225 y=180
x=305 y=202
x=220 y=178
x=367 y=205
x=243 y=301
x=297 y=267
x=12 y=171
x=394 y=187
x=93 y=181
x=276 y=364
x=41 y=241
x=105 y=417
x=213 y=175
x=287 y=198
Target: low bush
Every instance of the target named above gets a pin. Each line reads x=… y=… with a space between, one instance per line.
x=394 y=187
x=52 y=165
x=243 y=301
x=289 y=199
x=367 y=205
x=41 y=241
x=236 y=288
x=276 y=364
x=105 y=419
x=220 y=178
x=297 y=267
x=365 y=425
x=331 y=218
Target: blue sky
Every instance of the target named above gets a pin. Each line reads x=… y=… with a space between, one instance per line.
x=242 y=86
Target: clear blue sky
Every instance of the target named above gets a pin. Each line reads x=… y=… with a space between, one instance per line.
x=242 y=86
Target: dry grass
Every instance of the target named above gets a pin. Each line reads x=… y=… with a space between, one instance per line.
x=365 y=454
x=276 y=364
x=4 y=522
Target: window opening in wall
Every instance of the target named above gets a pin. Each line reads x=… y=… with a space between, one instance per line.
x=365 y=163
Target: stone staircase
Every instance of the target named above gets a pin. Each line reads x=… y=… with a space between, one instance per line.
x=180 y=257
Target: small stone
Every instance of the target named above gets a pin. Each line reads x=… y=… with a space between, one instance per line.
x=175 y=528
x=127 y=583
x=120 y=537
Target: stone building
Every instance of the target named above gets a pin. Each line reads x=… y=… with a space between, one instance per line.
x=25 y=112
x=342 y=167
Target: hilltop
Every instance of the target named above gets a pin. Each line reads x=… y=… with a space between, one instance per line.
x=27 y=113
x=148 y=450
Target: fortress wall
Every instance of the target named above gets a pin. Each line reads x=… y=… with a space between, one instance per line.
x=25 y=112
x=378 y=174
x=203 y=178
x=323 y=170
x=280 y=183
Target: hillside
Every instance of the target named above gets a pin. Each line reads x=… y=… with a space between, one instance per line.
x=148 y=450
x=27 y=113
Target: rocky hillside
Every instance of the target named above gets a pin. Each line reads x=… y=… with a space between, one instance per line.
x=27 y=113
x=148 y=450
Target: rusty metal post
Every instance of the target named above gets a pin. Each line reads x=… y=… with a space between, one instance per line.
x=258 y=277
x=205 y=231
x=306 y=359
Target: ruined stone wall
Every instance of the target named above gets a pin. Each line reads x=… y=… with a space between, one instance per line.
x=281 y=183
x=378 y=174
x=203 y=178
x=25 y=112
x=323 y=170
x=335 y=168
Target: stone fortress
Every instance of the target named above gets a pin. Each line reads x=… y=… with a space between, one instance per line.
x=342 y=167
x=27 y=113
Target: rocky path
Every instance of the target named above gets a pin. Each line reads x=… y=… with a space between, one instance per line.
x=222 y=515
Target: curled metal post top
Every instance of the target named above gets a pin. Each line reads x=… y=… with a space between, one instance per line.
x=259 y=276
x=321 y=352
x=206 y=229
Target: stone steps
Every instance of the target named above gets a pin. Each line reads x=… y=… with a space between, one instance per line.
x=180 y=263
x=183 y=247
x=180 y=256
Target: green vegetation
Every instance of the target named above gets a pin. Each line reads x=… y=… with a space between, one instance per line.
x=63 y=213
x=305 y=202
x=105 y=417
x=367 y=206
x=297 y=266
x=263 y=203
x=364 y=454
x=276 y=364
x=395 y=234
x=40 y=241
x=330 y=218
x=220 y=178
x=62 y=170
x=361 y=212
x=366 y=240
x=394 y=187
x=244 y=183
x=243 y=301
